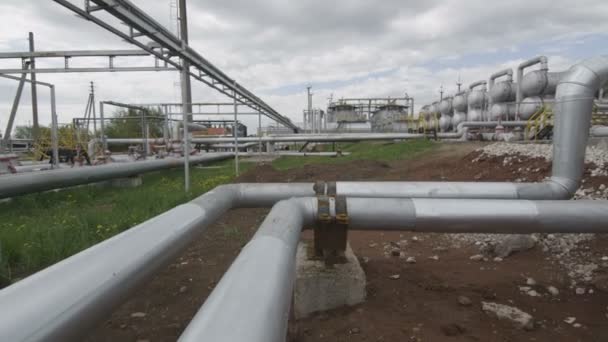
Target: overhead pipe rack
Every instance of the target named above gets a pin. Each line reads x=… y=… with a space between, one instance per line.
x=69 y=55
x=171 y=47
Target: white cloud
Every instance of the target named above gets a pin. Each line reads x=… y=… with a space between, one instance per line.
x=273 y=44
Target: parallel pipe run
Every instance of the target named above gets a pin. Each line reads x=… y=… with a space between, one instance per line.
x=94 y=281
x=349 y=137
x=13 y=185
x=261 y=307
x=65 y=301
x=346 y=137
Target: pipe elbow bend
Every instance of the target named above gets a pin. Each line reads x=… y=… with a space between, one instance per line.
x=562 y=188
x=592 y=73
x=556 y=188
x=305 y=207
x=229 y=191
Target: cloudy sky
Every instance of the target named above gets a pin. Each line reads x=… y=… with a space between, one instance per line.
x=346 y=48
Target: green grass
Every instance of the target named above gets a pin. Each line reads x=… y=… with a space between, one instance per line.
x=381 y=151
x=38 y=230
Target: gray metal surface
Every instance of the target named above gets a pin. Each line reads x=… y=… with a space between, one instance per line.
x=573 y=107
x=260 y=308
x=235 y=134
x=64 y=301
x=318 y=137
x=478 y=216
x=504 y=91
x=530 y=106
x=186 y=91
x=13 y=113
x=54 y=127
x=77 y=70
x=72 y=54
x=389 y=118
x=540 y=83
x=542 y=60
x=599 y=131
x=34 y=90
x=13 y=185
x=477 y=101
x=460 y=104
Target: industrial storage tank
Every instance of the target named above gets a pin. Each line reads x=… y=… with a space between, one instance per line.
x=390 y=118
x=502 y=111
x=342 y=112
x=425 y=112
x=539 y=82
x=502 y=96
x=460 y=105
x=504 y=91
x=445 y=106
x=477 y=100
x=446 y=109
x=538 y=89
x=532 y=105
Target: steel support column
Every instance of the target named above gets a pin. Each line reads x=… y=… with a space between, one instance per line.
x=14 y=108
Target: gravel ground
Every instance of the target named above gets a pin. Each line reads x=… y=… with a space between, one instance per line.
x=571 y=251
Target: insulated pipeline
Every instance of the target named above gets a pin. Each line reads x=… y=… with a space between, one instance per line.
x=19 y=184
x=479 y=216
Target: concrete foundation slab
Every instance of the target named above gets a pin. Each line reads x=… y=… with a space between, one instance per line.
x=321 y=287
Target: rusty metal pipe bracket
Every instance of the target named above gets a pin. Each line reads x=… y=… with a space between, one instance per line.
x=331 y=228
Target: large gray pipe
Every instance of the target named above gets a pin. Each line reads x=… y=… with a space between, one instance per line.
x=259 y=298
x=599 y=131
x=573 y=107
x=19 y=184
x=260 y=307
x=65 y=301
x=505 y=72
x=479 y=216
